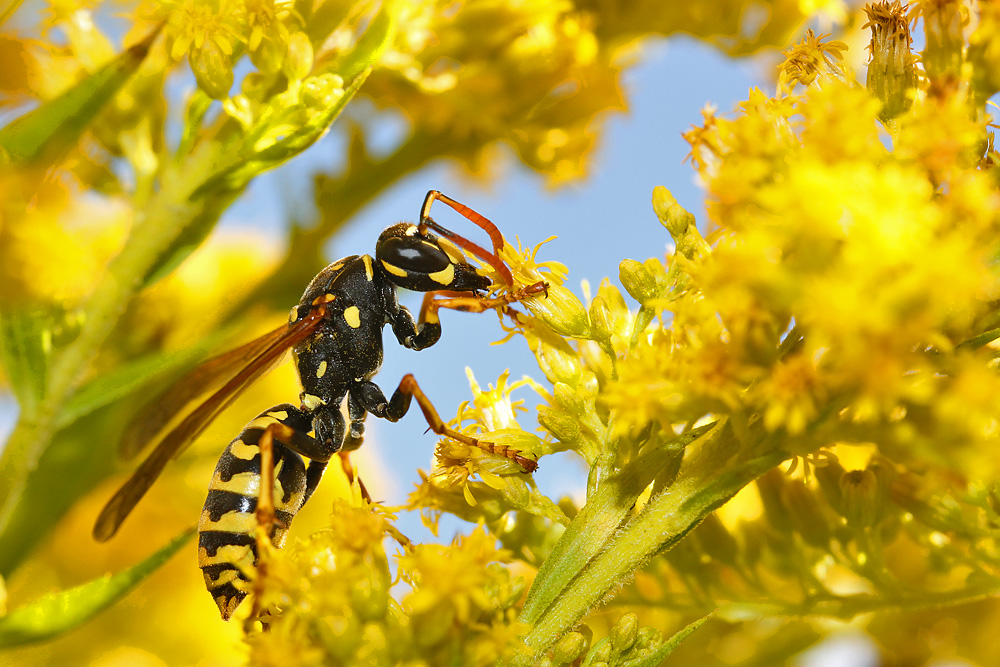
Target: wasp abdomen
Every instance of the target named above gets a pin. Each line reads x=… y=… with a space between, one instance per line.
x=227 y=551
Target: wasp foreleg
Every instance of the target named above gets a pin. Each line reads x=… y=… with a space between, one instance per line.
x=469 y=304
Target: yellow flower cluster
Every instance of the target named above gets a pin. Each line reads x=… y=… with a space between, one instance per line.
x=533 y=72
x=213 y=35
x=876 y=259
x=337 y=606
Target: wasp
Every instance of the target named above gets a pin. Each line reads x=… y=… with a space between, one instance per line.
x=271 y=469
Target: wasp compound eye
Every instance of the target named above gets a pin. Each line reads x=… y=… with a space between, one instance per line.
x=418 y=262
x=413 y=254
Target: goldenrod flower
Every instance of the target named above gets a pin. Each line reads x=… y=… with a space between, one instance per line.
x=810 y=60
x=210 y=34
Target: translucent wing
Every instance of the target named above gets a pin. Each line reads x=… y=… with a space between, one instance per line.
x=156 y=414
x=265 y=353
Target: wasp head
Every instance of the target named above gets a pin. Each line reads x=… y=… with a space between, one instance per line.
x=424 y=262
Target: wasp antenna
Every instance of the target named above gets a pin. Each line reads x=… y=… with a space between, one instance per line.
x=473 y=249
x=481 y=221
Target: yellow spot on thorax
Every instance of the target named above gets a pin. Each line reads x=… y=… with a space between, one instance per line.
x=321 y=371
x=353 y=317
x=369 y=271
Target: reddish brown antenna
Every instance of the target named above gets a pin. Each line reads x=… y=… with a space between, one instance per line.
x=492 y=258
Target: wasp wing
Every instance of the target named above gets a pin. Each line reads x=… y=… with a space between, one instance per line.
x=278 y=342
x=155 y=415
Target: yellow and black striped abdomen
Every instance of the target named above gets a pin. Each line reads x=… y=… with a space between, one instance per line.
x=227 y=551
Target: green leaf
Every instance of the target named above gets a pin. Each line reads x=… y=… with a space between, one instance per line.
x=704 y=486
x=599 y=519
x=250 y=162
x=50 y=130
x=132 y=377
x=73 y=464
x=372 y=45
x=25 y=346
x=657 y=656
x=56 y=614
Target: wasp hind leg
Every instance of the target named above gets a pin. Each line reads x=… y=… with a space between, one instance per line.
x=228 y=540
x=272 y=521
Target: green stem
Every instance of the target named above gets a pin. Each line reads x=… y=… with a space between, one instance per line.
x=156 y=227
x=665 y=520
x=604 y=512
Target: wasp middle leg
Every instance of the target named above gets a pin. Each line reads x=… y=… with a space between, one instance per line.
x=371 y=396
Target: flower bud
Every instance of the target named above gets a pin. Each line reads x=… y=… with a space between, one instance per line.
x=555 y=357
x=323 y=91
x=770 y=486
x=614 y=300
x=648 y=638
x=570 y=399
x=892 y=71
x=563 y=427
x=601 y=653
x=515 y=491
x=267 y=54
x=213 y=70
x=624 y=633
x=568 y=648
x=562 y=311
x=299 y=58
x=601 y=323
x=671 y=214
x=828 y=476
x=860 y=492
x=637 y=280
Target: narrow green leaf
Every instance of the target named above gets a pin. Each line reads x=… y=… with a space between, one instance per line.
x=249 y=163
x=25 y=345
x=666 y=648
x=372 y=45
x=48 y=131
x=55 y=614
x=662 y=523
x=598 y=521
x=132 y=377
